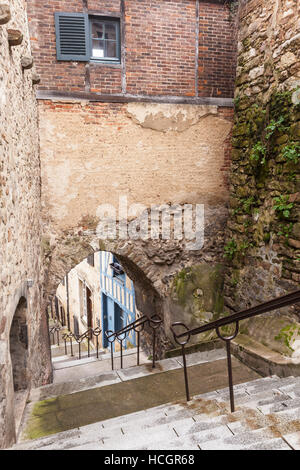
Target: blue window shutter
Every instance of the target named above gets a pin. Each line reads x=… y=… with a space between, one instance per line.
x=72 y=36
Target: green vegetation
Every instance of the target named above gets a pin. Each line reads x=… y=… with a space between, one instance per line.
x=230 y=249
x=287 y=335
x=282 y=205
x=258 y=153
x=291 y=152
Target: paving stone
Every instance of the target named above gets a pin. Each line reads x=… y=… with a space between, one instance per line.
x=201 y=357
x=143 y=370
x=270 y=444
x=63 y=388
x=293 y=440
x=241 y=440
x=279 y=406
x=203 y=423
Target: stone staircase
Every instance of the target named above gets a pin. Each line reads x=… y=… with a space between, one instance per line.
x=267 y=417
x=67 y=367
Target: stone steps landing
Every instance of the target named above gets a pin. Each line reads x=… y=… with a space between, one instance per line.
x=267 y=417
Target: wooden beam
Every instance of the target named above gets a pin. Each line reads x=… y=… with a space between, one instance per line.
x=127 y=98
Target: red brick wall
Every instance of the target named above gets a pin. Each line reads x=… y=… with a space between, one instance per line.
x=160 y=49
x=216 y=51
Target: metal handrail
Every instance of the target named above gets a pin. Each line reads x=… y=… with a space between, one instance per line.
x=141 y=320
x=79 y=339
x=183 y=338
x=138 y=326
x=55 y=329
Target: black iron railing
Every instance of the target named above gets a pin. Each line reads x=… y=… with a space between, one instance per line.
x=87 y=335
x=120 y=336
x=182 y=338
x=138 y=326
x=54 y=331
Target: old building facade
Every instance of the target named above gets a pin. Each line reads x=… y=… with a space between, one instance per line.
x=149 y=122
x=97 y=293
x=134 y=110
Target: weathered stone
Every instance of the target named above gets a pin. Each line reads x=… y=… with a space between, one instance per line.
x=296 y=230
x=36 y=79
x=22 y=363
x=268 y=92
x=294 y=243
x=27 y=62
x=295 y=130
x=5 y=14
x=15 y=37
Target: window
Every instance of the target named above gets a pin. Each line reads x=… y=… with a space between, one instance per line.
x=117 y=269
x=105 y=39
x=82 y=37
x=91 y=260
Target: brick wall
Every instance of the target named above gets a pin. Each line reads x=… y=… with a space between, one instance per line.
x=216 y=51
x=161 y=40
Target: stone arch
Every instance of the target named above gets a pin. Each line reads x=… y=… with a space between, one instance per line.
x=153 y=266
x=71 y=251
x=18 y=343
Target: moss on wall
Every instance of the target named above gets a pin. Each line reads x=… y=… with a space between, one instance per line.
x=197 y=295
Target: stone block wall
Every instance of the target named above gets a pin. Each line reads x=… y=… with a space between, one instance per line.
x=263 y=237
x=20 y=222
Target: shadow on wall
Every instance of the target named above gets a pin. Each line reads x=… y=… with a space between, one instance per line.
x=19 y=346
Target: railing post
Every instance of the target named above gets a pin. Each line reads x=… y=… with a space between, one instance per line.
x=121 y=344
x=112 y=355
x=227 y=339
x=229 y=365
x=183 y=344
x=138 y=329
x=138 y=348
x=71 y=344
x=187 y=391
x=154 y=324
x=109 y=333
x=153 y=348
x=96 y=332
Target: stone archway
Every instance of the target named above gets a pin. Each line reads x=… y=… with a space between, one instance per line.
x=18 y=340
x=155 y=266
x=19 y=354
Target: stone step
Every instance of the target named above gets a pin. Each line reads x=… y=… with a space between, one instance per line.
x=263 y=438
x=62 y=361
x=67 y=388
x=202 y=423
x=71 y=362
x=269 y=408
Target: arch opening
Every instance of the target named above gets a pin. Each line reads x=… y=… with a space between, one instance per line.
x=19 y=346
x=105 y=291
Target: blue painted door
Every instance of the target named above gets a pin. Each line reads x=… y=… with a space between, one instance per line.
x=108 y=317
x=112 y=317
